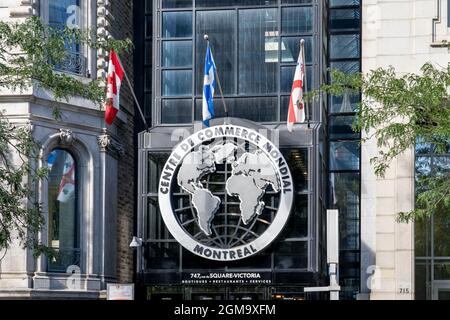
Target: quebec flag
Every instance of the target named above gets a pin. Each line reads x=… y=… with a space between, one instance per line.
x=209 y=82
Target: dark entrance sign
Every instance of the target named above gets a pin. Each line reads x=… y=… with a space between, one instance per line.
x=227 y=277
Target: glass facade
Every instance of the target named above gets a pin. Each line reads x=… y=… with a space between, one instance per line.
x=63 y=218
x=255 y=50
x=344 y=143
x=62 y=14
x=432 y=234
x=255 y=46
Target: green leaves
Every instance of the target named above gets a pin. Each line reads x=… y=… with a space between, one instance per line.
x=396 y=110
x=30 y=51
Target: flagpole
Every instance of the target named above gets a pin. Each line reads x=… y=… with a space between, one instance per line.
x=206 y=37
x=133 y=94
x=302 y=48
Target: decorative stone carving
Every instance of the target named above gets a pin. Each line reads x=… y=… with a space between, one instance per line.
x=103 y=32
x=66 y=136
x=107 y=144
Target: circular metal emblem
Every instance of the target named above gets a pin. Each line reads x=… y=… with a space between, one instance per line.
x=225 y=193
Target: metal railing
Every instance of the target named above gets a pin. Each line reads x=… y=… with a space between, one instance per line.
x=74 y=63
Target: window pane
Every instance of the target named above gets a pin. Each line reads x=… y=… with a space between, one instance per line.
x=258 y=51
x=225 y=3
x=62 y=209
x=263 y=109
x=344 y=104
x=177 y=54
x=290 y=48
x=148 y=26
x=156 y=162
x=441 y=234
x=285 y=106
x=176 y=82
x=346 y=19
x=148 y=79
x=295 y=1
x=297 y=226
x=422 y=237
x=344 y=46
x=336 y=3
x=287 y=78
x=298 y=164
x=61 y=12
x=347 y=67
x=177 y=3
x=340 y=127
x=344 y=155
x=344 y=195
x=177 y=24
x=297 y=20
x=220 y=26
x=441 y=165
x=163 y=255
x=291 y=255
x=176 y=111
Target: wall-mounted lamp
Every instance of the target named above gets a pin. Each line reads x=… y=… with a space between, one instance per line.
x=136 y=242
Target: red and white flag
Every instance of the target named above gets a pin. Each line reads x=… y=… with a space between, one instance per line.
x=66 y=188
x=296 y=112
x=115 y=76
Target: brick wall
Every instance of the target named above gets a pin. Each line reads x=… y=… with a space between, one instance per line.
x=121 y=28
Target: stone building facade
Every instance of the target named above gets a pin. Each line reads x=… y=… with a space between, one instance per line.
x=102 y=155
x=405 y=35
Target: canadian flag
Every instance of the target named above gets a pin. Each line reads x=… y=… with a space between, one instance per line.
x=115 y=76
x=296 y=112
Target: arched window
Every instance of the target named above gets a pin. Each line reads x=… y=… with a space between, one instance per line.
x=63 y=216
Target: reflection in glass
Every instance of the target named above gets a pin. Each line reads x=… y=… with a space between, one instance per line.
x=344 y=194
x=344 y=19
x=287 y=78
x=336 y=3
x=344 y=46
x=291 y=255
x=290 y=48
x=177 y=24
x=344 y=155
x=176 y=3
x=340 y=127
x=297 y=226
x=177 y=53
x=296 y=20
x=226 y=3
x=298 y=164
x=156 y=162
x=176 y=111
x=348 y=67
x=345 y=104
x=156 y=229
x=162 y=255
x=258 y=51
x=176 y=82
x=63 y=220
x=220 y=26
x=259 y=109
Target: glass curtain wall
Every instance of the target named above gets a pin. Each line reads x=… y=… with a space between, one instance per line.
x=432 y=234
x=344 y=149
x=255 y=50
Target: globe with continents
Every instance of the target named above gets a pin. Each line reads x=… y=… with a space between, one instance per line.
x=224 y=175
